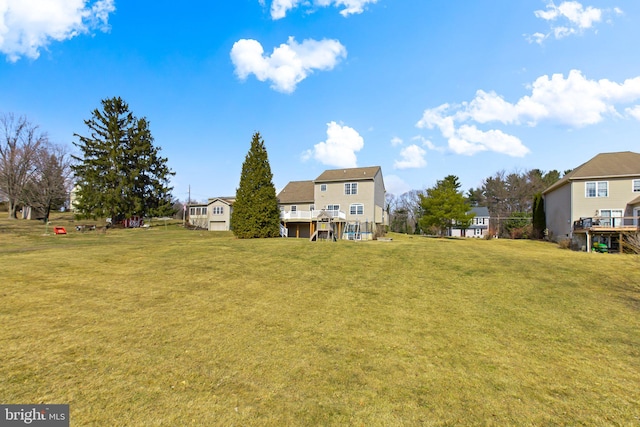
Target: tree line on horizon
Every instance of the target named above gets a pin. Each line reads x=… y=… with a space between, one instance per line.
x=120 y=173
x=514 y=201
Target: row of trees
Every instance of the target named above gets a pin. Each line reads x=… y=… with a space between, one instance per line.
x=514 y=201
x=33 y=171
x=118 y=174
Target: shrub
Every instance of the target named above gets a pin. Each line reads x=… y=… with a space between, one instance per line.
x=521 y=232
x=632 y=243
x=564 y=244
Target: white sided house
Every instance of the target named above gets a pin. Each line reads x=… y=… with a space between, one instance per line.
x=597 y=202
x=479 y=227
x=215 y=215
x=353 y=198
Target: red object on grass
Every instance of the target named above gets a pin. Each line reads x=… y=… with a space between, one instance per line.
x=59 y=230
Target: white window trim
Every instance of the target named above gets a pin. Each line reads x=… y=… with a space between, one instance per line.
x=597 y=189
x=355 y=206
x=323 y=187
x=635 y=185
x=350 y=188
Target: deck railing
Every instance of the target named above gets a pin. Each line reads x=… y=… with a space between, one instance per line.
x=291 y=215
x=607 y=222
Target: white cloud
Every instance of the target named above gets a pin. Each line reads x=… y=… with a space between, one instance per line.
x=288 y=64
x=395 y=141
x=633 y=112
x=27 y=26
x=572 y=11
x=469 y=140
x=427 y=143
x=574 y=101
x=411 y=157
x=339 y=149
x=395 y=185
x=569 y=18
x=279 y=8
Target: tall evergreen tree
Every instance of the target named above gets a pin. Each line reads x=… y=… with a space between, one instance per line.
x=255 y=211
x=121 y=173
x=539 y=221
x=444 y=206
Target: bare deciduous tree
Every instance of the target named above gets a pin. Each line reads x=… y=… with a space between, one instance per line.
x=20 y=141
x=49 y=184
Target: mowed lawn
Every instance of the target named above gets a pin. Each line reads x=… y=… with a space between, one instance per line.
x=168 y=327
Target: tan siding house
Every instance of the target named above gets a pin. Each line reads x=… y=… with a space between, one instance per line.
x=597 y=200
x=353 y=197
x=215 y=215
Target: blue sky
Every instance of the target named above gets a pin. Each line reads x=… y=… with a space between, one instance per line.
x=422 y=88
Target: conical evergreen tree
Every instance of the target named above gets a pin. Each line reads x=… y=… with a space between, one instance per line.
x=255 y=211
x=121 y=173
x=539 y=221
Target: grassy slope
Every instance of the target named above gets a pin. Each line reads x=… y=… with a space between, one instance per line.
x=169 y=327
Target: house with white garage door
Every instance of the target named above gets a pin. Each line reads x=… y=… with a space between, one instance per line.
x=215 y=215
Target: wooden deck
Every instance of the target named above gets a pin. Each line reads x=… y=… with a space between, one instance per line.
x=607 y=225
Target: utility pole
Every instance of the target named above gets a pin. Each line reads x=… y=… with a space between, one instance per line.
x=184 y=211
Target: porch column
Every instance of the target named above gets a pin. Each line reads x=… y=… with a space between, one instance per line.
x=588 y=241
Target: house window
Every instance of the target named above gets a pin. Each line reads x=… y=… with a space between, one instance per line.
x=596 y=189
x=217 y=210
x=204 y=210
x=192 y=211
x=294 y=208
x=198 y=211
x=323 y=187
x=636 y=185
x=312 y=208
x=356 y=209
x=351 y=188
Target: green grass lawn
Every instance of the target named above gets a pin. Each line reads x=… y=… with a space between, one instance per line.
x=173 y=327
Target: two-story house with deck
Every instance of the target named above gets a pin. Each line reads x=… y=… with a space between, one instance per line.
x=354 y=198
x=597 y=201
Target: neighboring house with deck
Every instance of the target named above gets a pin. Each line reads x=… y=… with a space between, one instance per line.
x=215 y=215
x=598 y=201
x=354 y=198
x=479 y=227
